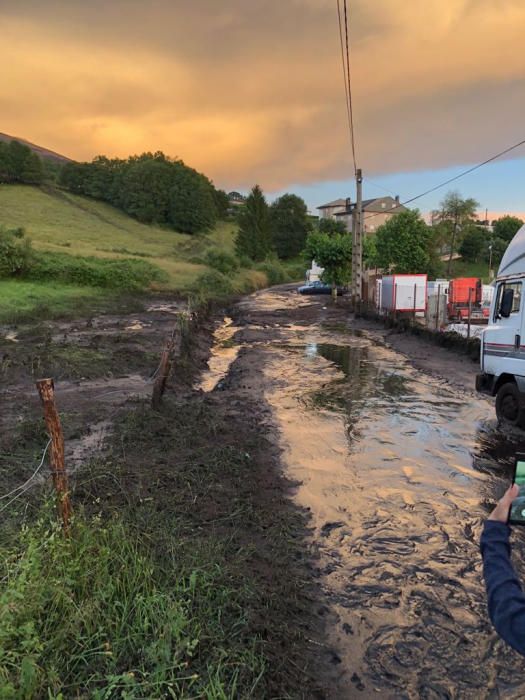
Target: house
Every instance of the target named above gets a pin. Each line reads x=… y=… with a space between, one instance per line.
x=328 y=211
x=375 y=211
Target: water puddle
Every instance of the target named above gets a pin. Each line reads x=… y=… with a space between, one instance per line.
x=397 y=470
x=385 y=462
x=223 y=353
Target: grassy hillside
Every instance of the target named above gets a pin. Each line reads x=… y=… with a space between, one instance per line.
x=57 y=221
x=461 y=268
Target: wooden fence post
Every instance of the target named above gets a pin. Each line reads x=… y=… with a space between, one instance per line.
x=162 y=374
x=438 y=306
x=469 y=311
x=46 y=391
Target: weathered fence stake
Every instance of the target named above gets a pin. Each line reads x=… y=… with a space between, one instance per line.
x=46 y=391
x=438 y=307
x=162 y=374
x=469 y=312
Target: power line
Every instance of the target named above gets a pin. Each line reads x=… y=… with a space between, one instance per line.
x=345 y=57
x=343 y=65
x=456 y=177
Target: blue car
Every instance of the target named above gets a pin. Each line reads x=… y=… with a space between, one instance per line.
x=318 y=287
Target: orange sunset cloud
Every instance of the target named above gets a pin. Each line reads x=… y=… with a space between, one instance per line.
x=253 y=90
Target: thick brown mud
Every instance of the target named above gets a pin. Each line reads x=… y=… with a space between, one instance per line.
x=398 y=469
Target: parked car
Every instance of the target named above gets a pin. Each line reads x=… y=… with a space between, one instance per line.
x=318 y=287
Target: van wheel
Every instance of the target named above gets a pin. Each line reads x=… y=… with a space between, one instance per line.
x=508 y=405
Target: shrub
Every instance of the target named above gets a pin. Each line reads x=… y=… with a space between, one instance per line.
x=274 y=271
x=213 y=284
x=16 y=253
x=95 y=272
x=221 y=261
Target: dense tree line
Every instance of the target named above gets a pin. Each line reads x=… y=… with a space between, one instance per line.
x=152 y=188
x=19 y=164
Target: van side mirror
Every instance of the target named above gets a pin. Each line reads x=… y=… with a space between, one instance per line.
x=506 y=303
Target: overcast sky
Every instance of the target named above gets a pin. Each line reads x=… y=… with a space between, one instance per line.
x=251 y=90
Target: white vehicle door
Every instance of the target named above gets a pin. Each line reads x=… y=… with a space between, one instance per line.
x=503 y=341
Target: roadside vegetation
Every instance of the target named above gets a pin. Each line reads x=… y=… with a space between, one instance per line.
x=115 y=227
x=184 y=574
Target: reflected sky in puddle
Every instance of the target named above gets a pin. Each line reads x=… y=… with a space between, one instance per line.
x=387 y=460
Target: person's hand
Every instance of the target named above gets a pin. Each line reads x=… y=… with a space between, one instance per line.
x=501 y=511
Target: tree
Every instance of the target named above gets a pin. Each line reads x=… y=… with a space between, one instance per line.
x=370 y=251
x=453 y=216
x=151 y=187
x=331 y=226
x=222 y=203
x=506 y=227
x=289 y=225
x=254 y=237
x=146 y=187
x=333 y=253
x=403 y=244
x=192 y=206
x=18 y=163
x=474 y=244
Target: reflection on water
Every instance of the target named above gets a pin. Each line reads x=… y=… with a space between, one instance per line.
x=397 y=470
x=222 y=355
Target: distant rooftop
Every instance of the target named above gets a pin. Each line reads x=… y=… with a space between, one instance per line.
x=335 y=203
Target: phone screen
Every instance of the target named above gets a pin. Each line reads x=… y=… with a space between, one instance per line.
x=517 y=509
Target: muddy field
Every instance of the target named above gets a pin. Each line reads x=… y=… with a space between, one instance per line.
x=375 y=447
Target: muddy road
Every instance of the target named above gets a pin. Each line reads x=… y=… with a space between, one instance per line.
x=397 y=467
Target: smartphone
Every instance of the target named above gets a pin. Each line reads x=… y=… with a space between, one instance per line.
x=517 y=509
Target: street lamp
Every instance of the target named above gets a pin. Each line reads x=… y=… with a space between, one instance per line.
x=490 y=263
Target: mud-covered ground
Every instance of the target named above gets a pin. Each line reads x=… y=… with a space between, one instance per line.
x=398 y=463
x=369 y=466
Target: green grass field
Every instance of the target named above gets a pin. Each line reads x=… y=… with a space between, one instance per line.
x=58 y=221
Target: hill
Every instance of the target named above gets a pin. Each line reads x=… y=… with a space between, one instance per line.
x=58 y=221
x=44 y=153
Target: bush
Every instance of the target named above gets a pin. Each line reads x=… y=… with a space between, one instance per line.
x=221 y=261
x=274 y=271
x=95 y=272
x=213 y=284
x=16 y=253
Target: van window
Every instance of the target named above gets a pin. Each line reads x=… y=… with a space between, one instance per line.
x=516 y=301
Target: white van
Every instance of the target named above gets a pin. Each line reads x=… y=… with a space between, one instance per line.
x=503 y=341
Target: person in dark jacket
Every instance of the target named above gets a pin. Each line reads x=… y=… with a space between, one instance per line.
x=506 y=600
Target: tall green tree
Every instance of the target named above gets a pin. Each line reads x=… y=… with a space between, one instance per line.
x=146 y=189
x=474 y=243
x=453 y=218
x=289 y=225
x=19 y=164
x=222 y=203
x=404 y=244
x=331 y=226
x=506 y=227
x=254 y=237
x=333 y=252
x=192 y=205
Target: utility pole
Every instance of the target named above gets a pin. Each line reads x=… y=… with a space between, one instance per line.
x=357 y=241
